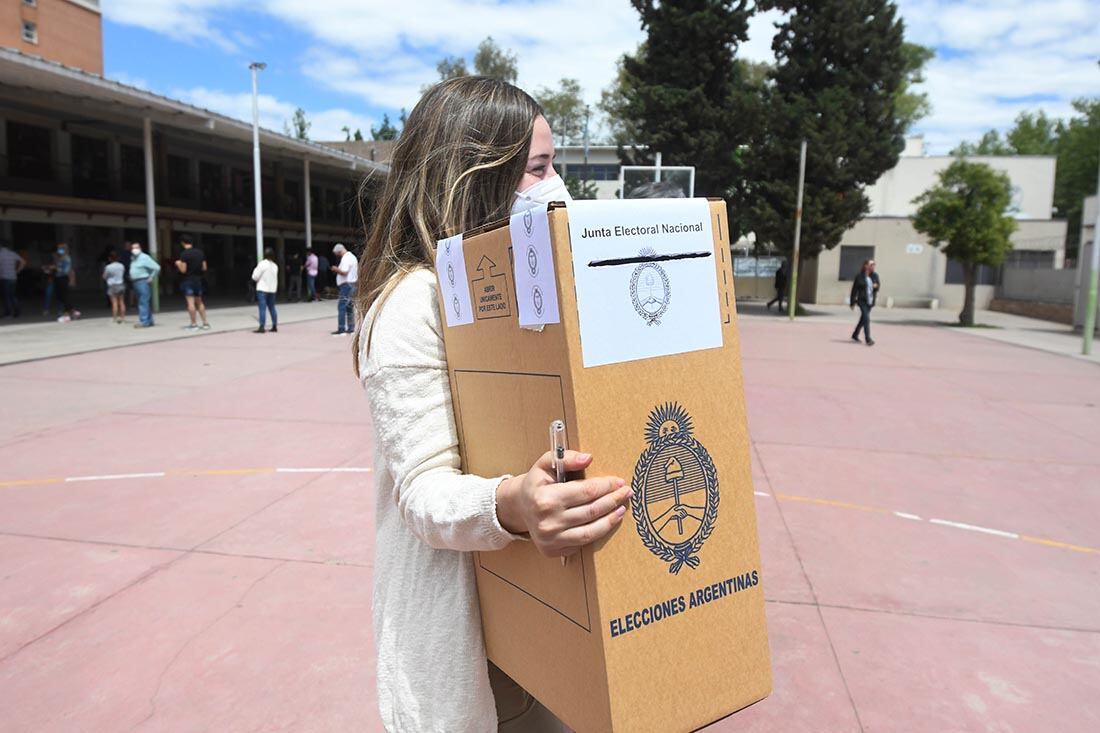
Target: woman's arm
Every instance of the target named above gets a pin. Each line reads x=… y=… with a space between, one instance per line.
x=411 y=411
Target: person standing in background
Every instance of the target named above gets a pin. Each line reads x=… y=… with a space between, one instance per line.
x=266 y=277
x=192 y=265
x=114 y=277
x=143 y=269
x=780 y=286
x=63 y=278
x=10 y=265
x=864 y=294
x=347 y=274
x=311 y=274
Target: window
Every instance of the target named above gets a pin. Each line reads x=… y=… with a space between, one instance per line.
x=851 y=260
x=1030 y=259
x=211 y=187
x=30 y=152
x=30 y=31
x=179 y=177
x=131 y=168
x=91 y=167
x=954 y=275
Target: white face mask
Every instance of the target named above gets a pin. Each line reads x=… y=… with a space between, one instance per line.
x=540 y=194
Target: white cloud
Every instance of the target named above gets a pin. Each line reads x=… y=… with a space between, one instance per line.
x=325 y=124
x=997 y=58
x=992 y=52
x=183 y=20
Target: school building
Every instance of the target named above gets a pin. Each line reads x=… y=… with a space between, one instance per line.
x=914 y=273
x=92 y=163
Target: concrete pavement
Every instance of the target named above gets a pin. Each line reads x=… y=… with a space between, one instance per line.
x=186 y=534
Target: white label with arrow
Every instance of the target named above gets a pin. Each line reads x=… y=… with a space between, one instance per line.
x=536 y=283
x=450 y=268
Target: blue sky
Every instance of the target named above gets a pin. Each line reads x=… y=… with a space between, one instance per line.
x=347 y=62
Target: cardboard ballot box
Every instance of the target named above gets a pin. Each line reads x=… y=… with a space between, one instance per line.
x=618 y=318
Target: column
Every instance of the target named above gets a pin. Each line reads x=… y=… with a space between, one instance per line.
x=151 y=206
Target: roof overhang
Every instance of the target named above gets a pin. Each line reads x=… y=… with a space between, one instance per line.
x=21 y=71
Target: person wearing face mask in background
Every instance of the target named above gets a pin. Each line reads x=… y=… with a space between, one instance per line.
x=473 y=151
x=143 y=269
x=63 y=278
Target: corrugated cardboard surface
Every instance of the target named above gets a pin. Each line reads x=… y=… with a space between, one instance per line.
x=551 y=627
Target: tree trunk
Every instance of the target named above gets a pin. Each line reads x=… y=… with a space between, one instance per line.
x=966 y=318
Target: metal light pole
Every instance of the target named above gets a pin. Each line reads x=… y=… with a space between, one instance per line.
x=793 y=296
x=257 y=178
x=1094 y=276
x=587 y=111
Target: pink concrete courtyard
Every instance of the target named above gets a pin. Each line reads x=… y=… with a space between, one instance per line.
x=929 y=515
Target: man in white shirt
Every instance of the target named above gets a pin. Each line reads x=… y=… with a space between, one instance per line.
x=347 y=274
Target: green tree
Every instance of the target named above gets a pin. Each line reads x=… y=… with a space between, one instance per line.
x=298 y=126
x=385 y=131
x=1078 y=151
x=912 y=106
x=694 y=108
x=349 y=135
x=965 y=214
x=493 y=61
x=1032 y=134
x=451 y=67
x=839 y=68
x=580 y=189
x=563 y=108
x=1075 y=142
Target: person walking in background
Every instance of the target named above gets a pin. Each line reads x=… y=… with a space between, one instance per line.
x=311 y=274
x=143 y=269
x=780 y=286
x=63 y=278
x=114 y=276
x=266 y=277
x=11 y=263
x=347 y=274
x=864 y=293
x=294 y=278
x=192 y=265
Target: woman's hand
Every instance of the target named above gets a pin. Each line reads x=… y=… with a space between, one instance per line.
x=561 y=518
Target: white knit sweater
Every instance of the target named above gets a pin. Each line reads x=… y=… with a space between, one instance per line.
x=432 y=672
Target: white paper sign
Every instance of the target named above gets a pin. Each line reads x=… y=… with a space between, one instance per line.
x=646 y=279
x=450 y=268
x=533 y=260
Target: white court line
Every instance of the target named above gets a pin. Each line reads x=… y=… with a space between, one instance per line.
x=906 y=515
x=761 y=493
x=973 y=528
x=339 y=469
x=112 y=476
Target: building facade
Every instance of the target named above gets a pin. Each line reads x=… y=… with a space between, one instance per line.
x=94 y=163
x=69 y=32
x=914 y=272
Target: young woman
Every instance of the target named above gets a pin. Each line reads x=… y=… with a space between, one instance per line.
x=473 y=150
x=266 y=277
x=114 y=276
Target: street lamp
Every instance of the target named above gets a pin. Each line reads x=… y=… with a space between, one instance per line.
x=257 y=180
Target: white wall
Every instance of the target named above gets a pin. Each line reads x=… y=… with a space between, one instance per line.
x=1032 y=180
x=912 y=273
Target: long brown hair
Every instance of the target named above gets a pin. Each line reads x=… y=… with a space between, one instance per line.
x=456 y=166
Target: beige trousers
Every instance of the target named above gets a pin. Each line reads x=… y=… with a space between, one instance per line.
x=517 y=710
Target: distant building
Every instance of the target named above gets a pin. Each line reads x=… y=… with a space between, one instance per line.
x=69 y=32
x=914 y=273
x=75 y=148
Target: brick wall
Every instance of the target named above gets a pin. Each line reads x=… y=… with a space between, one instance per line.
x=1057 y=312
x=67 y=32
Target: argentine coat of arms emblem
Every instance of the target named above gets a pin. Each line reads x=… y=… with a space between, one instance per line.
x=676 y=489
x=650 y=290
